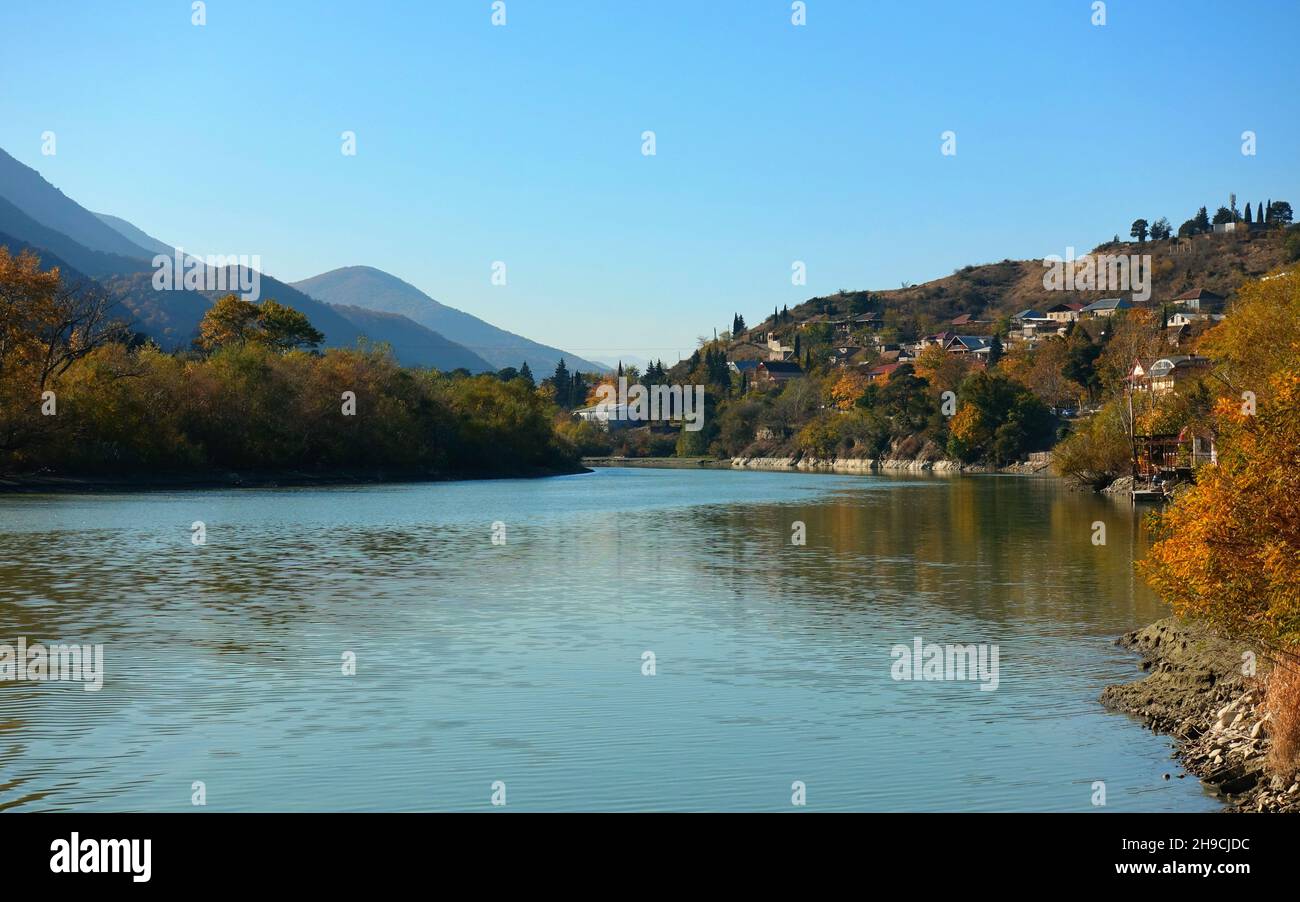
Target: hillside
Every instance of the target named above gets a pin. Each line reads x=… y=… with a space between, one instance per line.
x=991 y=291
x=413 y=342
x=28 y=191
x=373 y=289
x=18 y=225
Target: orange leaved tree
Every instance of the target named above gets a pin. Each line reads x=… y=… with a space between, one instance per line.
x=1228 y=548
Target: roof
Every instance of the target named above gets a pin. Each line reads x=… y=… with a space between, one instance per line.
x=1166 y=365
x=743 y=366
x=1197 y=295
x=1108 y=304
x=1029 y=314
x=1062 y=308
x=884 y=369
x=974 y=342
x=781 y=366
x=961 y=320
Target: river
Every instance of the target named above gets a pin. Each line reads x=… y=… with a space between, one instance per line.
x=634 y=639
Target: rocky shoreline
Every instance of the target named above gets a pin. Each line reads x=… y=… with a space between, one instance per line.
x=1196 y=692
x=876 y=465
x=843 y=465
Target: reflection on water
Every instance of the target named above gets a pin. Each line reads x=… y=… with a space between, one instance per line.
x=523 y=663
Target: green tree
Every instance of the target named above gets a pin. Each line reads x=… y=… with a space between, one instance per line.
x=1139 y=230
x=563 y=385
x=284 y=328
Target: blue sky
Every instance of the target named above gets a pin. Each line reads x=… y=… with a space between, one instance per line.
x=775 y=143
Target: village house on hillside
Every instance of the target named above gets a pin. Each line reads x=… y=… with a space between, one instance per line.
x=610 y=417
x=1186 y=318
x=1106 y=307
x=976 y=345
x=1064 y=313
x=1162 y=375
x=776 y=350
x=1200 y=301
x=776 y=372
x=883 y=372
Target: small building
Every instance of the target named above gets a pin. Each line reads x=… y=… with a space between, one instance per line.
x=883 y=372
x=610 y=417
x=939 y=339
x=776 y=350
x=1199 y=301
x=1163 y=375
x=1064 y=313
x=1029 y=314
x=1186 y=318
x=776 y=372
x=1106 y=307
x=970 y=344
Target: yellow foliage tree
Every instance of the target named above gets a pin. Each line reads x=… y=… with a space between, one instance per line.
x=1230 y=546
x=847 y=389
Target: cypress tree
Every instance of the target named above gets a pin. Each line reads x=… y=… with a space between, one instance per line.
x=563 y=384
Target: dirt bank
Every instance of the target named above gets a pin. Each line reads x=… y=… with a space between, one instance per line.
x=1196 y=692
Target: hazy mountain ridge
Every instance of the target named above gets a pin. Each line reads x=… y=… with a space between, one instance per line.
x=410 y=340
x=135 y=235
x=17 y=224
x=27 y=190
x=120 y=260
x=374 y=289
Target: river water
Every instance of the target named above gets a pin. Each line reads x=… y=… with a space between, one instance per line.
x=526 y=662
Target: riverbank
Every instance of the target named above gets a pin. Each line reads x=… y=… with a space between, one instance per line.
x=1196 y=692
x=842 y=465
x=44 y=483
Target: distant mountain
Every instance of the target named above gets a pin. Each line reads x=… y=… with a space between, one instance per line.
x=17 y=224
x=172 y=318
x=118 y=255
x=28 y=191
x=411 y=341
x=373 y=289
x=134 y=235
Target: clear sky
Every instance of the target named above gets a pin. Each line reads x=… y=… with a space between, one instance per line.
x=775 y=143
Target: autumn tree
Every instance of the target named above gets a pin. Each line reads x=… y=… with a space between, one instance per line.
x=1228 y=548
x=847 y=388
x=46 y=326
x=233 y=320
